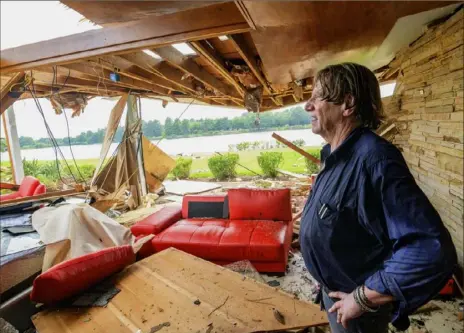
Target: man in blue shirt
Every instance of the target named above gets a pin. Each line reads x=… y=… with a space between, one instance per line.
x=369 y=234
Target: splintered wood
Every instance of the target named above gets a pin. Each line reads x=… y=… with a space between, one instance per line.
x=173 y=291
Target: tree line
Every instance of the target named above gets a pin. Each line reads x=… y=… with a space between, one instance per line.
x=175 y=128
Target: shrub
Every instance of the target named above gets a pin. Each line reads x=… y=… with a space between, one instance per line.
x=269 y=162
x=299 y=142
x=223 y=166
x=182 y=168
x=310 y=165
x=242 y=146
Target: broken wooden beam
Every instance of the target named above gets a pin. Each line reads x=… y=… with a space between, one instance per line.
x=212 y=21
x=5 y=99
x=40 y=197
x=243 y=49
x=208 y=54
x=296 y=148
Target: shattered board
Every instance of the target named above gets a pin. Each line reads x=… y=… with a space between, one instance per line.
x=173 y=291
x=184 y=187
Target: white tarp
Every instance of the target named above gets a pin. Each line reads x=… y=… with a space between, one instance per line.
x=72 y=230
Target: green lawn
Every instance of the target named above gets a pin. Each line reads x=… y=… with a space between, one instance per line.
x=293 y=162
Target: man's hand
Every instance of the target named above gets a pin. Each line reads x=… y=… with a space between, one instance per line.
x=346 y=308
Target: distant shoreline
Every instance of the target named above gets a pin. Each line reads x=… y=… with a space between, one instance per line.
x=212 y=133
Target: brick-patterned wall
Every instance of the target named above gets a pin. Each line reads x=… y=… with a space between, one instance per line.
x=427 y=109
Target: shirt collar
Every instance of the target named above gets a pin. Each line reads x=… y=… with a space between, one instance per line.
x=347 y=145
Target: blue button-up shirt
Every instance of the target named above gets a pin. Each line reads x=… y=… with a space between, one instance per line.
x=366 y=221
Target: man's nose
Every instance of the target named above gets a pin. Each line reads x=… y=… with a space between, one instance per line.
x=309 y=106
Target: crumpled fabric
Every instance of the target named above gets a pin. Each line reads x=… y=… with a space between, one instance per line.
x=73 y=230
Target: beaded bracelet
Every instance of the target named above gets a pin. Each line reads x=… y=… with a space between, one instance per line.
x=359 y=300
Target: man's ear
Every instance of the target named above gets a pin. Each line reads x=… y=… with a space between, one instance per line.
x=348 y=107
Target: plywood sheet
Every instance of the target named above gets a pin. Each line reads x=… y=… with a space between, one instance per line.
x=157 y=164
x=183 y=187
x=176 y=292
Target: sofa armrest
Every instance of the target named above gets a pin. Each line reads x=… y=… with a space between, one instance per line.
x=158 y=221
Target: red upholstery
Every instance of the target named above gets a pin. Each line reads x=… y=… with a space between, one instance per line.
x=73 y=276
x=226 y=240
x=9 y=196
x=41 y=189
x=29 y=186
x=251 y=204
x=264 y=242
x=199 y=198
x=158 y=221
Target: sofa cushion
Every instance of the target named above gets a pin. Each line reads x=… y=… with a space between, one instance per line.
x=28 y=186
x=75 y=275
x=203 y=206
x=158 y=221
x=252 y=204
x=216 y=239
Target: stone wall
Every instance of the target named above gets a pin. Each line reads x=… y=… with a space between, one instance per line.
x=427 y=109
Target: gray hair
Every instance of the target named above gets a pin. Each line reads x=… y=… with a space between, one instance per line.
x=350 y=79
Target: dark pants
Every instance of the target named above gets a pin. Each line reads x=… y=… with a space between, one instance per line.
x=376 y=322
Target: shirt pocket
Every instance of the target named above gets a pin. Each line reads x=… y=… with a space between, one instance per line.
x=327 y=213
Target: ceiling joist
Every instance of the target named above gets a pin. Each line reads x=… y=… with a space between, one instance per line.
x=214 y=20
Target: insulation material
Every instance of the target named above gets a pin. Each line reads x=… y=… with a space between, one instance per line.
x=73 y=230
x=157 y=164
x=253 y=98
x=73 y=100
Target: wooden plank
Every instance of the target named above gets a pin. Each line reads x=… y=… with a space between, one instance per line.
x=8 y=144
x=160 y=68
x=208 y=54
x=214 y=20
x=18 y=77
x=6 y=102
x=8 y=186
x=163 y=289
x=240 y=44
x=292 y=174
x=189 y=66
x=46 y=196
x=296 y=148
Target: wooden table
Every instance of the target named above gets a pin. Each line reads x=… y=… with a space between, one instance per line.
x=173 y=291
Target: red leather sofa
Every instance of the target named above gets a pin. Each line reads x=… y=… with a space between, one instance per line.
x=245 y=224
x=29 y=186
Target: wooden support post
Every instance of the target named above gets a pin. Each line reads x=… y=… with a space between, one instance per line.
x=295 y=148
x=133 y=116
x=12 y=138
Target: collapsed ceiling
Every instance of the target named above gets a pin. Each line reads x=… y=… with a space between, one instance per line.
x=245 y=54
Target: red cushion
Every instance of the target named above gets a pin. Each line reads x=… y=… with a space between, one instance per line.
x=9 y=196
x=199 y=198
x=226 y=240
x=41 y=189
x=158 y=221
x=28 y=186
x=252 y=204
x=73 y=276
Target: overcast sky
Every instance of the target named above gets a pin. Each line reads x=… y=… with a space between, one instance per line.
x=56 y=21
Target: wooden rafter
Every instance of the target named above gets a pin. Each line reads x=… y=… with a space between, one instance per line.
x=189 y=66
x=160 y=68
x=214 y=20
x=245 y=52
x=214 y=60
x=6 y=100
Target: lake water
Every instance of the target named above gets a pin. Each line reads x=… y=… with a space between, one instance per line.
x=186 y=146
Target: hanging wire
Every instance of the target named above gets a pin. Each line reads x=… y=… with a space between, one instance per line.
x=55 y=145
x=67 y=125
